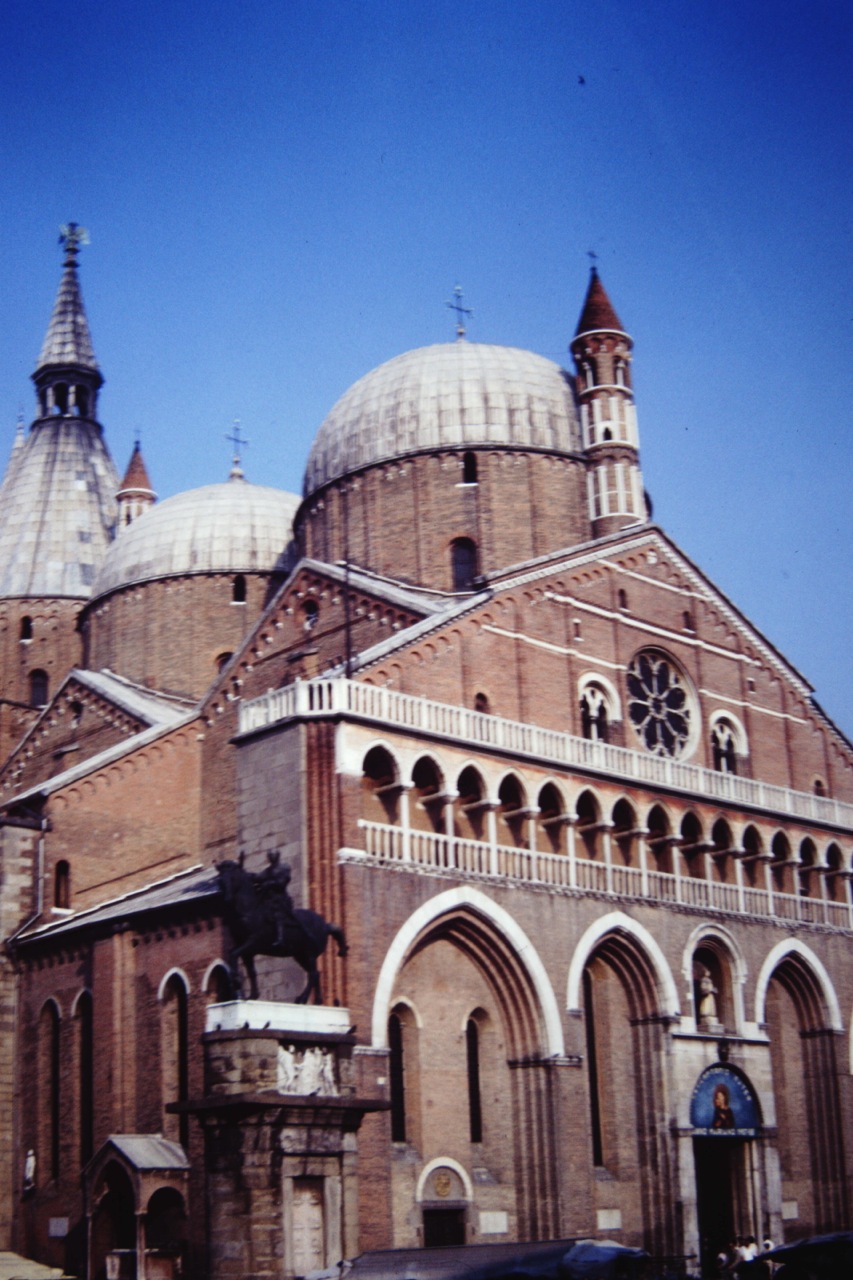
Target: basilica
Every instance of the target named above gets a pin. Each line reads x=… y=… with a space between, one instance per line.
x=585 y=831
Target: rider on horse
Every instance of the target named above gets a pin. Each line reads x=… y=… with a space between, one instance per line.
x=272 y=885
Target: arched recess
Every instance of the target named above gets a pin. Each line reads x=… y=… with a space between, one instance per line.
x=174 y=1053
x=617 y=923
x=460 y=952
x=730 y=983
x=797 y=1004
x=619 y=977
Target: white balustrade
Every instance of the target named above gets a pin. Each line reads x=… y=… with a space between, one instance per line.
x=441 y=853
x=339 y=696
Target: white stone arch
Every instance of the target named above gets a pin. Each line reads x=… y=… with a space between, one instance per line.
x=51 y=1002
x=738 y=966
x=444 y=1162
x=618 y=922
x=607 y=687
x=519 y=778
x=209 y=972
x=500 y=919
x=433 y=759
x=364 y=749
x=793 y=946
x=174 y=972
x=558 y=785
x=75 y=1003
x=412 y=1008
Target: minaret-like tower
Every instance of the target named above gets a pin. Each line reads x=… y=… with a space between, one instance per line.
x=135 y=495
x=57 y=515
x=602 y=353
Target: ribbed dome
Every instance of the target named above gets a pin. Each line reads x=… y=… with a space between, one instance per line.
x=451 y=395
x=235 y=527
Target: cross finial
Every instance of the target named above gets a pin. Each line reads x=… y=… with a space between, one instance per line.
x=71 y=237
x=593 y=259
x=456 y=305
x=237 y=439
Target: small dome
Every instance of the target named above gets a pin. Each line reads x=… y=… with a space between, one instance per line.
x=235 y=527
x=448 y=396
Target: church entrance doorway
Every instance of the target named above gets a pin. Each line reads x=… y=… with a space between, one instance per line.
x=443 y=1227
x=725 y=1119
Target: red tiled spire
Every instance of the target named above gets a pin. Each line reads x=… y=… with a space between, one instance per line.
x=597 y=311
x=136 y=476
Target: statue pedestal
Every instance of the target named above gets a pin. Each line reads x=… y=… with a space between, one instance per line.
x=286 y=1088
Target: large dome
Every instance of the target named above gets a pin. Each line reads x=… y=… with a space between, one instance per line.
x=235 y=527
x=451 y=395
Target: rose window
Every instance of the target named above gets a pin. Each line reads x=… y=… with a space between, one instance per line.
x=659 y=703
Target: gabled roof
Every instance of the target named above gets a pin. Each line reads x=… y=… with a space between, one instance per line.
x=183 y=888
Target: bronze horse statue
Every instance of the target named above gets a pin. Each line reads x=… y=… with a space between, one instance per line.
x=266 y=924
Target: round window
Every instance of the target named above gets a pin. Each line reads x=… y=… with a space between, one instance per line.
x=659 y=704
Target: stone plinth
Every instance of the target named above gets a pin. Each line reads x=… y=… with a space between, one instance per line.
x=285 y=1092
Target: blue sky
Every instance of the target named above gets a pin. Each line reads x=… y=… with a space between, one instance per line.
x=281 y=196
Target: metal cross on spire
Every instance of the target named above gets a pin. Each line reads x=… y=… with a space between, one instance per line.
x=71 y=237
x=456 y=305
x=593 y=259
x=236 y=438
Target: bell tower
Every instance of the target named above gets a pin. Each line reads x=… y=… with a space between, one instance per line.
x=601 y=350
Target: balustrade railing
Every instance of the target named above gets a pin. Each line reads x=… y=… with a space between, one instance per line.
x=378 y=704
x=385 y=843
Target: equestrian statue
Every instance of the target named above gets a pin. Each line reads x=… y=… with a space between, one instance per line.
x=263 y=921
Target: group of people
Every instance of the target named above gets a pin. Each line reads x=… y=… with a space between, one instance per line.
x=744 y=1249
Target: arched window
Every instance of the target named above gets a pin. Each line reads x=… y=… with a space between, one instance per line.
x=218 y=986
x=589 y=822
x=659 y=840
x=403 y=1075
x=481 y=704
x=310 y=615
x=693 y=848
x=26 y=628
x=85 y=1077
x=470 y=805
x=48 y=1081
x=396 y=1070
x=551 y=819
x=469 y=468
x=174 y=1057
x=625 y=832
x=622 y=596
x=463 y=561
x=380 y=786
x=38 y=688
x=427 y=810
x=780 y=866
x=475 y=1105
x=223 y=659
x=62 y=885
x=512 y=813
x=238 y=590
x=807 y=875
x=60 y=397
x=723 y=747
x=594 y=713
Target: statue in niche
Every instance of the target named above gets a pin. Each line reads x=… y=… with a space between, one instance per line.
x=262 y=920
x=707 y=1009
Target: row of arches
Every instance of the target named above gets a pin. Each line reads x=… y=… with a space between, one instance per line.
x=515 y=812
x=622 y=989
x=63 y=1123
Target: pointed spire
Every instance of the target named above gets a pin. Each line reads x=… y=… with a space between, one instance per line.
x=68 y=340
x=598 y=311
x=135 y=494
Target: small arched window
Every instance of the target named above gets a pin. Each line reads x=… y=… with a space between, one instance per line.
x=396 y=1074
x=62 y=885
x=60 y=397
x=723 y=747
x=310 y=615
x=223 y=659
x=475 y=1103
x=622 y=596
x=594 y=715
x=38 y=688
x=26 y=628
x=238 y=590
x=463 y=560
x=469 y=468
x=481 y=704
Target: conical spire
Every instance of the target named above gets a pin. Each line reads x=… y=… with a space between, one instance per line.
x=598 y=311
x=68 y=341
x=135 y=494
